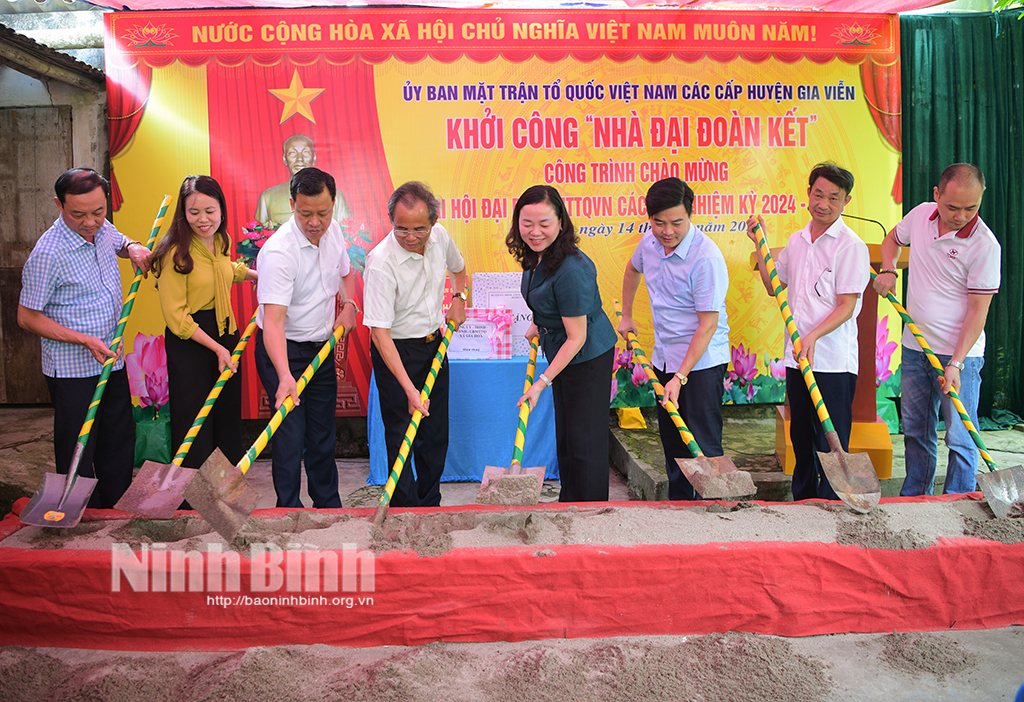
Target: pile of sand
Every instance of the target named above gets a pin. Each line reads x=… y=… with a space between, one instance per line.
x=921 y=652
x=889 y=526
x=734 y=667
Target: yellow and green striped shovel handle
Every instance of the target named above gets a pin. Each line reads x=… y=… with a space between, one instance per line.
x=204 y=411
x=261 y=441
x=126 y=310
x=659 y=390
x=782 y=297
x=940 y=372
x=414 y=424
x=524 y=409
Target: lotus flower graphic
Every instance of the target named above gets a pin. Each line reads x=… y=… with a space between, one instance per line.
x=147 y=370
x=883 y=351
x=149 y=35
x=744 y=365
x=639 y=376
x=856 y=35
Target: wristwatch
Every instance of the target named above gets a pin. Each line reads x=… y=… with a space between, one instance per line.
x=681 y=378
x=956 y=364
x=460 y=295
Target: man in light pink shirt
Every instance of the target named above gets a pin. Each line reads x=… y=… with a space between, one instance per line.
x=953 y=274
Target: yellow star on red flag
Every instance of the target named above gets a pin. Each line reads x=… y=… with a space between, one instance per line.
x=296 y=98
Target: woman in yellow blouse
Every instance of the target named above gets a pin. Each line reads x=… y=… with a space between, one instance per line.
x=195 y=273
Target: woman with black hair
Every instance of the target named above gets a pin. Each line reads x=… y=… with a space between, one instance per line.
x=194 y=273
x=560 y=287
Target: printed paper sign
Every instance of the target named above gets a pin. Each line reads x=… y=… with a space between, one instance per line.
x=485 y=335
x=502 y=290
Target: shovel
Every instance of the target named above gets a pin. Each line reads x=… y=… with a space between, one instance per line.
x=410 y=433
x=219 y=492
x=1004 y=489
x=157 y=490
x=515 y=485
x=59 y=502
x=714 y=478
x=852 y=476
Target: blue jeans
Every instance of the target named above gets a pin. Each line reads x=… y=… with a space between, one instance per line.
x=921 y=398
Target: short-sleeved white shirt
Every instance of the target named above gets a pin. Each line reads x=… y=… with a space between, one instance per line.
x=303 y=277
x=943 y=271
x=837 y=263
x=404 y=291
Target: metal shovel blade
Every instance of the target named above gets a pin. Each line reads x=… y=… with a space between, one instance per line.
x=45 y=509
x=717 y=478
x=221 y=495
x=157 y=490
x=1004 y=491
x=513 y=486
x=852 y=476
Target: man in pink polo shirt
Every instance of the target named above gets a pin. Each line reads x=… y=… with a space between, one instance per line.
x=953 y=274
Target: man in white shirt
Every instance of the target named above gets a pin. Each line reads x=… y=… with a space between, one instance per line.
x=303 y=269
x=954 y=272
x=403 y=294
x=826 y=267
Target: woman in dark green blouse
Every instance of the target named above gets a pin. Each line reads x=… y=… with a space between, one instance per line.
x=560 y=287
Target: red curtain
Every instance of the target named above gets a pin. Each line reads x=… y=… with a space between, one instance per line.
x=882 y=92
x=127 y=93
x=246 y=139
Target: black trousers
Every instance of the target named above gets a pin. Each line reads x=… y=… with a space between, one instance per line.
x=430 y=447
x=308 y=433
x=191 y=373
x=581 y=394
x=110 y=451
x=806 y=433
x=700 y=406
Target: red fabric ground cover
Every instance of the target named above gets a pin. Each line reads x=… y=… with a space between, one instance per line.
x=64 y=597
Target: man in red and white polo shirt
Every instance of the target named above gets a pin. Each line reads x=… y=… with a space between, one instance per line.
x=953 y=274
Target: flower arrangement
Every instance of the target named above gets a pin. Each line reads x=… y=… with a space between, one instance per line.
x=147 y=371
x=630 y=385
x=359 y=243
x=254 y=235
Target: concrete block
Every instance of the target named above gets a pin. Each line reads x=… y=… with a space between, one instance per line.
x=645 y=481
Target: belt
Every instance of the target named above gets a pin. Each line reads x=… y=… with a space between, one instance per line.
x=429 y=338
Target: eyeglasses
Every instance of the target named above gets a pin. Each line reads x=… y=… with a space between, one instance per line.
x=419 y=233
x=827 y=270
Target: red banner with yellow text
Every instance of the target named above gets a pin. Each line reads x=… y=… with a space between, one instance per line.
x=482 y=104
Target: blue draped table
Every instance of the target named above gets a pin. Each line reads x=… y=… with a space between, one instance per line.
x=483 y=417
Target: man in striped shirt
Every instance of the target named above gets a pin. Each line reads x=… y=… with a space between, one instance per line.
x=954 y=272
x=71 y=297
